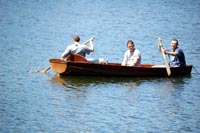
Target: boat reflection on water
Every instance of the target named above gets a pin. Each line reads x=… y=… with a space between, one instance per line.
x=88 y=81
x=77 y=82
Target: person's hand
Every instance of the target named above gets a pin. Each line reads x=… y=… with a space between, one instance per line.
x=62 y=58
x=92 y=38
x=164 y=51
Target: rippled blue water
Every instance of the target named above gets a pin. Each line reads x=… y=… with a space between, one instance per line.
x=33 y=31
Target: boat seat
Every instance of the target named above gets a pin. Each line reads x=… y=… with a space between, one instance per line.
x=77 y=58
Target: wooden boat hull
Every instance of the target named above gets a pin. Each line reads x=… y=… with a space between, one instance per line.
x=114 y=69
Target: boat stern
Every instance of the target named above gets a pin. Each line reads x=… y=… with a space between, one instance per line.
x=57 y=65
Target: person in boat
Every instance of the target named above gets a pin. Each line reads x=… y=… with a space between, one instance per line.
x=175 y=54
x=77 y=48
x=132 y=56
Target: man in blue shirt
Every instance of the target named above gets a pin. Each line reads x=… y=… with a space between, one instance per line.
x=176 y=55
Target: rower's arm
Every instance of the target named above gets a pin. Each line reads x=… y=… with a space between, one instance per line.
x=170 y=53
x=91 y=45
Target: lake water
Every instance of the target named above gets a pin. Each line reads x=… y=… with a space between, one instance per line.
x=32 y=32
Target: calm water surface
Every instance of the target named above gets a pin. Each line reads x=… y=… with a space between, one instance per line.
x=34 y=31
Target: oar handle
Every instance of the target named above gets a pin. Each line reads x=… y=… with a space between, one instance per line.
x=86 y=42
x=160 y=48
x=159 y=42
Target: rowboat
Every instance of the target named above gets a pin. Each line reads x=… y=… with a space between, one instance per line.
x=78 y=65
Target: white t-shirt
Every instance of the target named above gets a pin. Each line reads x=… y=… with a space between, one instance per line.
x=130 y=57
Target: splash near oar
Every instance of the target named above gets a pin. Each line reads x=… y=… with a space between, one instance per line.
x=40 y=71
x=33 y=71
x=45 y=69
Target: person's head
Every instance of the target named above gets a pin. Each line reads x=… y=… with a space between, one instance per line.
x=130 y=45
x=76 y=38
x=174 y=44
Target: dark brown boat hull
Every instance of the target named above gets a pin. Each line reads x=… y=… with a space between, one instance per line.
x=115 y=69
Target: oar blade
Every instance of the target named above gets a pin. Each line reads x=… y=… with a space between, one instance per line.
x=45 y=70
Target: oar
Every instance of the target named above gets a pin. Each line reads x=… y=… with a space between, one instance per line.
x=45 y=70
x=164 y=57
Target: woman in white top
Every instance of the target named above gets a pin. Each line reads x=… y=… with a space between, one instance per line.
x=132 y=56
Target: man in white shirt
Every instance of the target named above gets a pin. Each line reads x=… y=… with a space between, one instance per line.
x=132 y=56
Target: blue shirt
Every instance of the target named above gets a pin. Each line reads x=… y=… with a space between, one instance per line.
x=178 y=60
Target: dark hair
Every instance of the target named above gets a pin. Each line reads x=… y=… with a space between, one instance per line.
x=130 y=41
x=174 y=39
x=76 y=38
